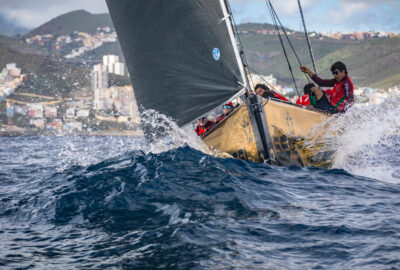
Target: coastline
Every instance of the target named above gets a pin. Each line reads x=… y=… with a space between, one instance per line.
x=28 y=133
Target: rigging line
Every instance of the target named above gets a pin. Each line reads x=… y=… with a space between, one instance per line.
x=287 y=37
x=307 y=37
x=241 y=48
x=266 y=82
x=283 y=46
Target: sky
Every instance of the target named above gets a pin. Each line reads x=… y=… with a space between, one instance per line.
x=320 y=15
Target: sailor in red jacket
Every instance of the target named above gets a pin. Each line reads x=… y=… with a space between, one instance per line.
x=263 y=91
x=342 y=94
x=203 y=124
x=305 y=100
x=226 y=110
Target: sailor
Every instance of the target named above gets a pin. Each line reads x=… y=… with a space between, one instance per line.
x=263 y=91
x=226 y=109
x=305 y=100
x=342 y=94
x=316 y=98
x=321 y=100
x=203 y=124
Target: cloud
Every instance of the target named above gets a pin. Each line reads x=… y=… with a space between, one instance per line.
x=282 y=7
x=347 y=10
x=367 y=14
x=290 y=7
x=320 y=14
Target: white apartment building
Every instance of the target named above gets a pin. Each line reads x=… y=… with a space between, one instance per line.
x=99 y=76
x=114 y=65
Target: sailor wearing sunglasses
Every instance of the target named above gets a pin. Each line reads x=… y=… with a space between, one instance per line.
x=226 y=109
x=203 y=124
x=342 y=95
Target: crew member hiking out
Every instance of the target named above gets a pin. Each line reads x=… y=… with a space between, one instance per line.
x=342 y=94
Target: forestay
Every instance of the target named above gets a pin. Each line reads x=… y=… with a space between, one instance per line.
x=182 y=60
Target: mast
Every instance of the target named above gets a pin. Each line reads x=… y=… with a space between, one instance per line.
x=229 y=25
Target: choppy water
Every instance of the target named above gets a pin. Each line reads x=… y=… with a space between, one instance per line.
x=116 y=203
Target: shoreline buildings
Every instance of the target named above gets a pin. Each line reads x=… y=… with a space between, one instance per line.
x=114 y=101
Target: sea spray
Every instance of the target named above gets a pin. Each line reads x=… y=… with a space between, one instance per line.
x=163 y=134
x=367 y=140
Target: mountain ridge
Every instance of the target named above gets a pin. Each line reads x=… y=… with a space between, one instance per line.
x=78 y=20
x=373 y=62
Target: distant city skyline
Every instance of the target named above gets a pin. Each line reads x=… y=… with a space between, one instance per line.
x=320 y=16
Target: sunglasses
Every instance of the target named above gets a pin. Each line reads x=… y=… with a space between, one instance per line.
x=226 y=107
x=204 y=117
x=336 y=72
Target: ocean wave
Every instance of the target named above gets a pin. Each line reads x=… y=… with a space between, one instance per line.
x=184 y=209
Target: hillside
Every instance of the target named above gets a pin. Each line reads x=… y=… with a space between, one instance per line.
x=47 y=74
x=79 y=20
x=372 y=62
x=257 y=26
x=264 y=53
x=20 y=47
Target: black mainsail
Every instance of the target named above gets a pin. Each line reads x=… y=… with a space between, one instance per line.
x=181 y=54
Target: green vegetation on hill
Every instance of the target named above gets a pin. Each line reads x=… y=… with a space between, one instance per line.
x=256 y=26
x=79 y=20
x=373 y=62
x=21 y=47
x=265 y=55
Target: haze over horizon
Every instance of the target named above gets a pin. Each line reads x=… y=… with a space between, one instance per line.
x=320 y=16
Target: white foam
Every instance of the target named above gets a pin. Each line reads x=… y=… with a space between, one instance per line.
x=172 y=136
x=87 y=150
x=365 y=140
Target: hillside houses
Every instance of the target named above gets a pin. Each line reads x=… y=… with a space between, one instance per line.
x=76 y=43
x=10 y=79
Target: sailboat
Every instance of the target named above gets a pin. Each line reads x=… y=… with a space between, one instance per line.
x=184 y=60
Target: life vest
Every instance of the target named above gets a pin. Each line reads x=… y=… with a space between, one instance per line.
x=200 y=129
x=304 y=100
x=338 y=96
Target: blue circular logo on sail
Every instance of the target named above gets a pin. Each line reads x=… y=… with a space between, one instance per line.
x=216 y=54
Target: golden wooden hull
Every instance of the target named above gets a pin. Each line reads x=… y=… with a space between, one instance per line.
x=235 y=136
x=273 y=131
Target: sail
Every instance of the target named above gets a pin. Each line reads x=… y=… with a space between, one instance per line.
x=179 y=54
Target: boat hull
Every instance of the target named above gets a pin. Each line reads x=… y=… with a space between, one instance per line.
x=236 y=136
x=268 y=130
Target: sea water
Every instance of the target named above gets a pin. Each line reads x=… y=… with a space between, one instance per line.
x=70 y=202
